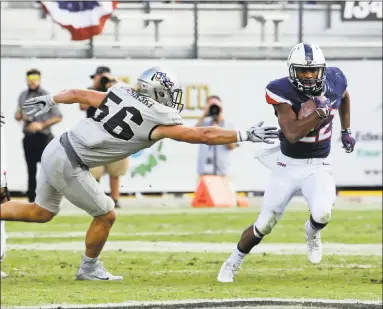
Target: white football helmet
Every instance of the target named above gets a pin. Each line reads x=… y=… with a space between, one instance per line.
x=307 y=56
x=160 y=85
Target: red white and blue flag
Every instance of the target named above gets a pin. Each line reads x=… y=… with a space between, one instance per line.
x=83 y=19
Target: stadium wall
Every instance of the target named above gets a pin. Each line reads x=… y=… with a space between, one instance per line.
x=172 y=167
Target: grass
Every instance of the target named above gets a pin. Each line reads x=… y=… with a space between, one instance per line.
x=37 y=278
x=47 y=277
x=351 y=227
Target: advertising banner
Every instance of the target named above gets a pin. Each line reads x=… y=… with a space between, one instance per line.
x=171 y=166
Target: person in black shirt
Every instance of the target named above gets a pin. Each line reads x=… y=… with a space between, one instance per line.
x=37 y=130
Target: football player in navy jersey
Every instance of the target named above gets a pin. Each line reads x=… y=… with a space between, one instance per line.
x=303 y=161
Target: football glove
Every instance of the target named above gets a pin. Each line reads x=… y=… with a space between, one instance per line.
x=323 y=104
x=39 y=105
x=348 y=140
x=257 y=134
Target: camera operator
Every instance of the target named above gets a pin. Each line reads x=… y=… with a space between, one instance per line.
x=102 y=81
x=214 y=159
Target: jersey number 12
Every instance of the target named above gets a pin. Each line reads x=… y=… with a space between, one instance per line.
x=117 y=125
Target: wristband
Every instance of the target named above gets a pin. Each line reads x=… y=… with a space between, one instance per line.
x=241 y=136
x=51 y=99
x=348 y=130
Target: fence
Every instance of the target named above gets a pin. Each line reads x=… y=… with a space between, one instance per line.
x=201 y=29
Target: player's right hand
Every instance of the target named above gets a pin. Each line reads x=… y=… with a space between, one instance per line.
x=323 y=104
x=259 y=134
x=39 y=105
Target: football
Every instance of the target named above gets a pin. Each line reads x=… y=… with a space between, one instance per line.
x=307 y=109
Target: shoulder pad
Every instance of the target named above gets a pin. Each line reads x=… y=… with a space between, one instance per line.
x=164 y=115
x=337 y=76
x=119 y=86
x=276 y=91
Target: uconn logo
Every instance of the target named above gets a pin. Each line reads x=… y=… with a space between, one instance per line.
x=163 y=79
x=281 y=164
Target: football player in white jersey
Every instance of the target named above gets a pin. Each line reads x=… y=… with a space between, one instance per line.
x=127 y=120
x=4 y=196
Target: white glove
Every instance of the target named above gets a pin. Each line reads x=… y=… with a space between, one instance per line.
x=39 y=105
x=256 y=134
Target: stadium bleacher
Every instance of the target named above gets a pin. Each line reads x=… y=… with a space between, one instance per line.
x=225 y=30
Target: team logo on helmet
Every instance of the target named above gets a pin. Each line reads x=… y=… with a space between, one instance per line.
x=163 y=79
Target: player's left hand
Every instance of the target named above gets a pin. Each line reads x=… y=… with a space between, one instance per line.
x=348 y=140
x=39 y=105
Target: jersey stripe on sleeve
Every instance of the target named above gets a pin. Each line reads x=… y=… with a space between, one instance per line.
x=272 y=98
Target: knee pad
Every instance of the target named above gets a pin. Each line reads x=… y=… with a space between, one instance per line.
x=266 y=222
x=321 y=217
x=318 y=225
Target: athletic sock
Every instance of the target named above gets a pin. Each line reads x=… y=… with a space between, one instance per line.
x=88 y=262
x=237 y=257
x=310 y=231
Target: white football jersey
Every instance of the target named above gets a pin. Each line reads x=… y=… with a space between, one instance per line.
x=121 y=126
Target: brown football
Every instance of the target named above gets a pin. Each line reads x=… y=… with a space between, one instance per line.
x=307 y=109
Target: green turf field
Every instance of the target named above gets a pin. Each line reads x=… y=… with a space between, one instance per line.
x=45 y=277
x=218 y=227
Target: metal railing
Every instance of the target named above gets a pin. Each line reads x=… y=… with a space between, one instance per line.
x=201 y=46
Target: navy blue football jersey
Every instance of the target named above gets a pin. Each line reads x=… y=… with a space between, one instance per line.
x=317 y=144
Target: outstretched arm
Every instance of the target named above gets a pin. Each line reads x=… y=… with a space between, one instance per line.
x=199 y=135
x=85 y=97
x=215 y=135
x=43 y=104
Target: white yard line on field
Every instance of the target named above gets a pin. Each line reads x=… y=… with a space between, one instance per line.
x=166 y=246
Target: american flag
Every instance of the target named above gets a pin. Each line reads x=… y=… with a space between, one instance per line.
x=83 y=19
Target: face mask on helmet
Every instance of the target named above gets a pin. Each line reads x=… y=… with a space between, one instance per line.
x=162 y=89
x=307 y=66
x=308 y=79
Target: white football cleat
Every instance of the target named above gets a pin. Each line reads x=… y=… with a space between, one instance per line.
x=227 y=272
x=314 y=248
x=95 y=271
x=3 y=275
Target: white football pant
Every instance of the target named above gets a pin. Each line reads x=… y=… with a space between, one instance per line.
x=313 y=177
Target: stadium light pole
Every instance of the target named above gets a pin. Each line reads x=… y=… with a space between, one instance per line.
x=300 y=21
x=195 y=42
